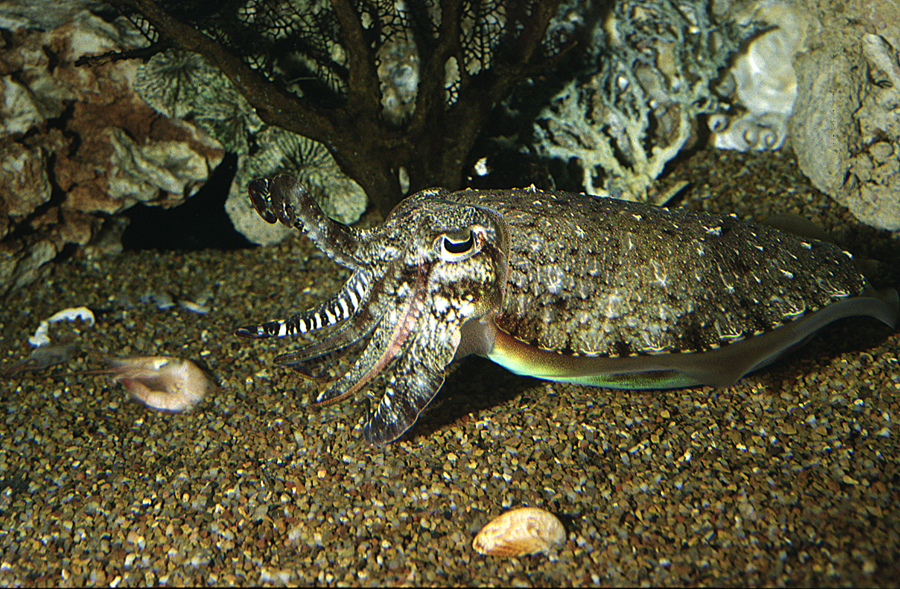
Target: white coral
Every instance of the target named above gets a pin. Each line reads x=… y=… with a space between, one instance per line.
x=626 y=121
x=765 y=84
x=594 y=145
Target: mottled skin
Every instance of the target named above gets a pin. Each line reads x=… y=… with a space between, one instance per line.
x=558 y=286
x=606 y=277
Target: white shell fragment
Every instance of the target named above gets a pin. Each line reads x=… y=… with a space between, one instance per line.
x=160 y=382
x=519 y=532
x=41 y=336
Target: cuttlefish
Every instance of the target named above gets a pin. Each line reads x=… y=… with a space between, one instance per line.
x=557 y=286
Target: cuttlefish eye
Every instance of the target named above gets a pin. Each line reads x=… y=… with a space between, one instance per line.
x=457 y=245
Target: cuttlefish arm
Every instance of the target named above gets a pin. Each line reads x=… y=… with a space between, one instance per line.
x=285 y=199
x=409 y=388
x=721 y=367
x=325 y=355
x=408 y=355
x=404 y=354
x=352 y=296
x=414 y=372
x=388 y=340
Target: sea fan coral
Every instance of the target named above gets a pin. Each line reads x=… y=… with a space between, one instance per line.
x=184 y=85
x=392 y=89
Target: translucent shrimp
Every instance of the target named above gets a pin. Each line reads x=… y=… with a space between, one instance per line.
x=160 y=382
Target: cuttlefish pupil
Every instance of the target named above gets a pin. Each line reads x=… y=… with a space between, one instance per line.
x=557 y=286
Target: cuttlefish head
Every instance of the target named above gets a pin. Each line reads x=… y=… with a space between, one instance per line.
x=421 y=285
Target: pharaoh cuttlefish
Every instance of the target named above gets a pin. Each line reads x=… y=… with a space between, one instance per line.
x=557 y=286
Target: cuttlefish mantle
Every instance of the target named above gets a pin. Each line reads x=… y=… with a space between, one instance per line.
x=558 y=286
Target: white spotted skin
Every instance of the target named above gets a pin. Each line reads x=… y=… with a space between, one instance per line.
x=641 y=279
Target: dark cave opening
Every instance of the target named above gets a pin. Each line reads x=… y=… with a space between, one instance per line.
x=199 y=223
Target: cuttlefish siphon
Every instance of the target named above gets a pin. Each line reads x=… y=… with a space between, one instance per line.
x=558 y=286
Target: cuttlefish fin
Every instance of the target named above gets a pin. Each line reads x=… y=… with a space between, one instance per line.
x=725 y=366
x=405 y=396
x=722 y=367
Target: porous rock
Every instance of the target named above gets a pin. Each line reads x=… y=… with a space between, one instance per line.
x=845 y=128
x=77 y=143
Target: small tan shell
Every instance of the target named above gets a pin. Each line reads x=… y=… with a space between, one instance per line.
x=518 y=532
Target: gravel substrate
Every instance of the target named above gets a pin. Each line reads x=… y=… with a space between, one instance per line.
x=789 y=478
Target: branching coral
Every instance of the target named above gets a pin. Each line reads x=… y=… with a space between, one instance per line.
x=624 y=122
x=388 y=87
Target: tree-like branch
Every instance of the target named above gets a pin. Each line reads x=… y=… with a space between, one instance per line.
x=273 y=105
x=435 y=142
x=363 y=85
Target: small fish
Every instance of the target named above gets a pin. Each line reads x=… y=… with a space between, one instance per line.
x=160 y=382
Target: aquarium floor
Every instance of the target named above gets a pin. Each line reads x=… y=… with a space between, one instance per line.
x=790 y=477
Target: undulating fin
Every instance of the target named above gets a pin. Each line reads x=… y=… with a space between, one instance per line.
x=721 y=367
x=799 y=226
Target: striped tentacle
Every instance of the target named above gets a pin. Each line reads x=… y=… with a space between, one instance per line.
x=342 y=306
x=358 y=328
x=332 y=357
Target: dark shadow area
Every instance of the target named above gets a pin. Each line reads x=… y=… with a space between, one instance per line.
x=199 y=223
x=850 y=334
x=475 y=384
